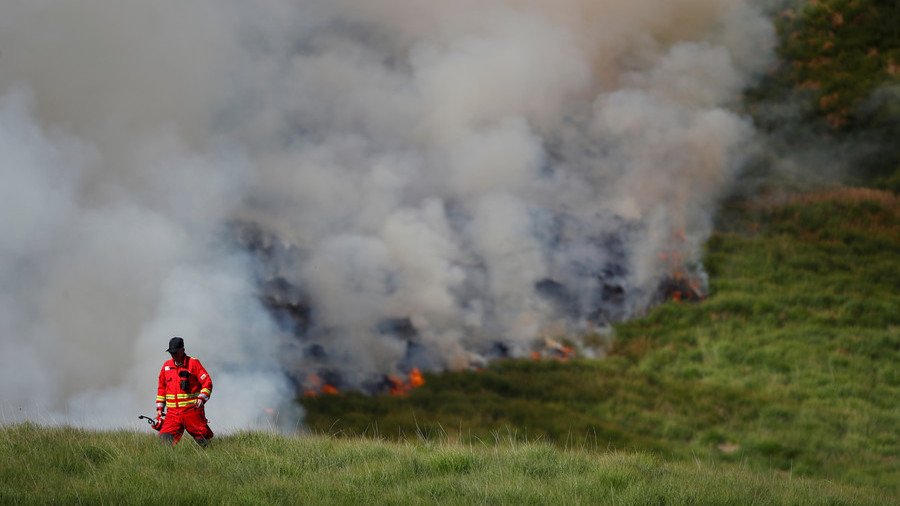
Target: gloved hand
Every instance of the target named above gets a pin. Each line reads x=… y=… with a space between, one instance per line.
x=160 y=416
x=201 y=400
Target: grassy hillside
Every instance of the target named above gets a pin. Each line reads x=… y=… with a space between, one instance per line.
x=791 y=364
x=70 y=466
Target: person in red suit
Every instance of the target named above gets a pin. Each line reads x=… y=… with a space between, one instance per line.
x=184 y=389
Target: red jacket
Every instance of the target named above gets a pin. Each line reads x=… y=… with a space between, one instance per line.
x=181 y=385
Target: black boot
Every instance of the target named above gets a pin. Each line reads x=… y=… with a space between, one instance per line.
x=202 y=441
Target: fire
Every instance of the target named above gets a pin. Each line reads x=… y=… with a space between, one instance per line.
x=555 y=350
x=679 y=285
x=415 y=378
x=315 y=386
x=400 y=386
x=682 y=287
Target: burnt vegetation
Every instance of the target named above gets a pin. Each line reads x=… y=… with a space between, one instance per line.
x=314 y=367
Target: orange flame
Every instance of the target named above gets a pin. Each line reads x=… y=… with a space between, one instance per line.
x=682 y=285
x=555 y=350
x=313 y=384
x=415 y=378
x=400 y=387
x=315 y=387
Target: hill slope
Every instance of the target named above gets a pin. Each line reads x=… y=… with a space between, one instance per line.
x=790 y=364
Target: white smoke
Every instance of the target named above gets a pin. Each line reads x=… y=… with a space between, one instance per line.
x=397 y=161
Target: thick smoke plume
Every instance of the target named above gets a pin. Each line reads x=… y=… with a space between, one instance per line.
x=345 y=187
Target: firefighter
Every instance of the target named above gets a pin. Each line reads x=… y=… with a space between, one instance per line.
x=184 y=389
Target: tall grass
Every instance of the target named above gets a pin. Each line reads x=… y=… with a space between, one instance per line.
x=68 y=466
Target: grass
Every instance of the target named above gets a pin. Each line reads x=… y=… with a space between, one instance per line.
x=70 y=466
x=789 y=365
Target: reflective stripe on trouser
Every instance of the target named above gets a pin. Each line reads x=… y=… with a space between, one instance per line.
x=172 y=397
x=192 y=420
x=181 y=400
x=180 y=405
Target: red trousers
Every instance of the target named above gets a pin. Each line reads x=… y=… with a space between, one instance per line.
x=191 y=419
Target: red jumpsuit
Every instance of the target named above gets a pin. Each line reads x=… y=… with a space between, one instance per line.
x=179 y=388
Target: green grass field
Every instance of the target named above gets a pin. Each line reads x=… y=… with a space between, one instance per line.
x=69 y=466
x=791 y=364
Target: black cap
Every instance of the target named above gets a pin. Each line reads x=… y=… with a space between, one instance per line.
x=175 y=344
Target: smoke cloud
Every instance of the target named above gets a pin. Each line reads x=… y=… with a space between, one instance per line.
x=344 y=187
